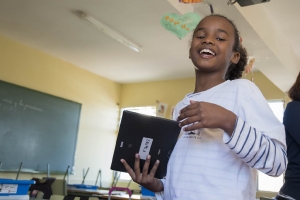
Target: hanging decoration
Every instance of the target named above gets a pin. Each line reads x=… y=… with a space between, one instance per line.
x=180 y=25
x=191 y=1
x=249 y=68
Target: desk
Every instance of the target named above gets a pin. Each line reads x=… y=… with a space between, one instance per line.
x=126 y=196
x=73 y=191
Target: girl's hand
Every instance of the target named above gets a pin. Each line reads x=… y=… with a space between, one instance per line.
x=207 y=115
x=144 y=179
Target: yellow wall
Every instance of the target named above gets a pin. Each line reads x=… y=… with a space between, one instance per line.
x=30 y=68
x=171 y=92
x=147 y=94
x=269 y=90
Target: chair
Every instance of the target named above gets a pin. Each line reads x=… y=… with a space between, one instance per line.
x=58 y=187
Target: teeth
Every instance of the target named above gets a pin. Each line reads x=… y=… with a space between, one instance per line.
x=207 y=51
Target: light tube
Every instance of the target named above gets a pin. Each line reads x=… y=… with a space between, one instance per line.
x=110 y=32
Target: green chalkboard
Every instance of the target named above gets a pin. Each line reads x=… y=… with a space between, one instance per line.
x=37 y=129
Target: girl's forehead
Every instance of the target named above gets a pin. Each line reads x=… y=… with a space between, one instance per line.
x=216 y=22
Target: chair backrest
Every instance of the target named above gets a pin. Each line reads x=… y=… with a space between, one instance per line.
x=58 y=187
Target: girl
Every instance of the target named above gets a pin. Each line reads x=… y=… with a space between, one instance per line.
x=228 y=129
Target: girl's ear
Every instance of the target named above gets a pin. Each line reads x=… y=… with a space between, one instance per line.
x=235 y=57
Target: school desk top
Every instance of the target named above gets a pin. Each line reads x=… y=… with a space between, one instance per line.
x=124 y=197
x=78 y=191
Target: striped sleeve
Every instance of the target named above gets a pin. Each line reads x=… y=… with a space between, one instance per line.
x=257 y=150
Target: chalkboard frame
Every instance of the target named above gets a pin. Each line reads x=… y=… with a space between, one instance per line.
x=8 y=105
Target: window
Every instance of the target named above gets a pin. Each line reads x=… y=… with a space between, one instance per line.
x=147 y=110
x=265 y=182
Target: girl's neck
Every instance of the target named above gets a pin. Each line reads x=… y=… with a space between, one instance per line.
x=204 y=83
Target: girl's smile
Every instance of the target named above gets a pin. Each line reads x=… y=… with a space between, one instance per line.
x=207 y=53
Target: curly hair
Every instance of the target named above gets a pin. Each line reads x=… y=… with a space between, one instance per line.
x=235 y=71
x=294 y=91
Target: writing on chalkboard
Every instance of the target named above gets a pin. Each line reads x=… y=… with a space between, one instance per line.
x=36 y=129
x=13 y=106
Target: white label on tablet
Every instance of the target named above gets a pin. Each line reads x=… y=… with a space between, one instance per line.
x=145 y=148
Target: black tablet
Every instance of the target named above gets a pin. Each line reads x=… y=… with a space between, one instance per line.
x=146 y=135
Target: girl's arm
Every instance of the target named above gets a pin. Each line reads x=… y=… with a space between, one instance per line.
x=259 y=137
x=257 y=149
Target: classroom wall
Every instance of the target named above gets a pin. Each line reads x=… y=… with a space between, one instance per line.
x=148 y=93
x=269 y=90
x=172 y=91
x=30 y=68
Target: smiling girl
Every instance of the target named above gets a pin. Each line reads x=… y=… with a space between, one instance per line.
x=237 y=132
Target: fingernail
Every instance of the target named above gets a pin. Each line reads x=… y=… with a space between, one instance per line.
x=179 y=124
x=122 y=160
x=148 y=157
x=157 y=161
x=137 y=155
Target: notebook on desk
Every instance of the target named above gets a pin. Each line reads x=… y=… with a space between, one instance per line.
x=146 y=135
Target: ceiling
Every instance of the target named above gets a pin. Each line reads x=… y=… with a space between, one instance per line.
x=269 y=32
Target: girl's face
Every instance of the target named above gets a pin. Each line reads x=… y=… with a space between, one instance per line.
x=212 y=45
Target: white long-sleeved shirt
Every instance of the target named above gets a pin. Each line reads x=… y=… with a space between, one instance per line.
x=208 y=164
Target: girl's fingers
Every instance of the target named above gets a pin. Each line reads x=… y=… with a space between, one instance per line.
x=190 y=121
x=146 y=166
x=154 y=168
x=128 y=169
x=193 y=127
x=137 y=165
x=189 y=107
x=188 y=113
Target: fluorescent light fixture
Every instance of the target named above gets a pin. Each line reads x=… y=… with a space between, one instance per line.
x=110 y=32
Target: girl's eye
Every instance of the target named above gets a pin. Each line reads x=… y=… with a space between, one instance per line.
x=200 y=37
x=220 y=39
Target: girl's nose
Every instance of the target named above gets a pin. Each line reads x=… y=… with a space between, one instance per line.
x=207 y=41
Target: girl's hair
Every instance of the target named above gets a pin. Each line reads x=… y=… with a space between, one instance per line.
x=294 y=92
x=235 y=71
